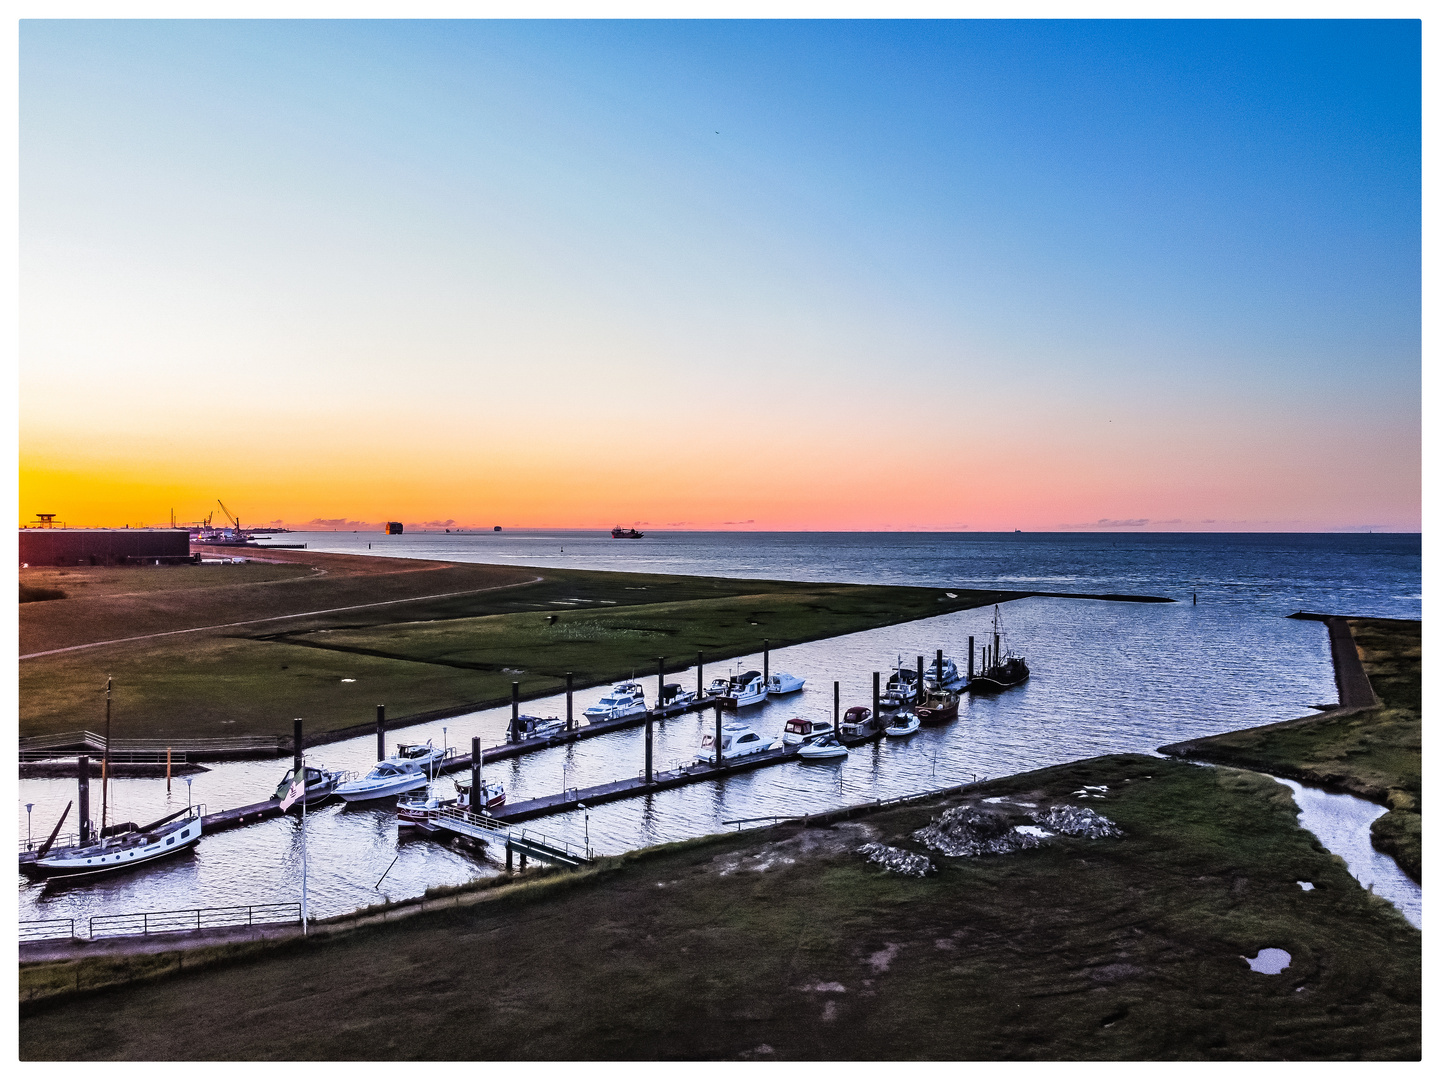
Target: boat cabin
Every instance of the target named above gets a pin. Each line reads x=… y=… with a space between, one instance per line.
x=856 y=722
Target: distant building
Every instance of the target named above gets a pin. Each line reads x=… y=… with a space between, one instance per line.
x=104 y=547
x=393 y=528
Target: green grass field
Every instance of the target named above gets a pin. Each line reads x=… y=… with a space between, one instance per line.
x=784 y=944
x=455 y=641
x=1374 y=754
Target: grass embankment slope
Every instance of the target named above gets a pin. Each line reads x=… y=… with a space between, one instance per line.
x=1373 y=753
x=455 y=640
x=783 y=943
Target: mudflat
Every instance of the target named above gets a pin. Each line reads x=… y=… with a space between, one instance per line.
x=787 y=943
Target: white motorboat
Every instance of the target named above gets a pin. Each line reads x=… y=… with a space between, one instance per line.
x=857 y=722
x=411 y=768
x=320 y=784
x=823 y=749
x=799 y=731
x=900 y=689
x=902 y=723
x=537 y=727
x=417 y=807
x=782 y=682
x=719 y=687
x=747 y=689
x=736 y=741
x=168 y=836
x=948 y=677
x=676 y=696
x=624 y=699
x=492 y=796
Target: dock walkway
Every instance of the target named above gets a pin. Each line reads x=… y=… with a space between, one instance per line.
x=616 y=790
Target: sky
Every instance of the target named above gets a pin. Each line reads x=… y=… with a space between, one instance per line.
x=761 y=275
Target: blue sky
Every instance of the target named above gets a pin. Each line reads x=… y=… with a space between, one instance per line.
x=1138 y=267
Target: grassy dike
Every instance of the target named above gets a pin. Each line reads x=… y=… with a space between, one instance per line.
x=1373 y=753
x=784 y=943
x=424 y=639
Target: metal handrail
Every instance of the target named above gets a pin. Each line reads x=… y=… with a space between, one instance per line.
x=40 y=929
x=179 y=921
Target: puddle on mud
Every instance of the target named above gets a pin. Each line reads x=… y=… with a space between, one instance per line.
x=1269 y=961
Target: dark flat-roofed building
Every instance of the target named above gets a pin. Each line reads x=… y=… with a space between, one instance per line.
x=104 y=547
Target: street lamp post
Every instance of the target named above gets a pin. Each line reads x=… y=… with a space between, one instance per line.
x=28 y=807
x=188 y=781
x=582 y=806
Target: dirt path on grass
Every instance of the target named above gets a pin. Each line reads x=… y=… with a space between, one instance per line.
x=277 y=618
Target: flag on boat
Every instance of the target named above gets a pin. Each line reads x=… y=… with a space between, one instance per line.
x=297 y=788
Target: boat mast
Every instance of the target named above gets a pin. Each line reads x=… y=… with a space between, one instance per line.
x=105 y=763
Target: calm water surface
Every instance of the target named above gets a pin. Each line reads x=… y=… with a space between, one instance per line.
x=1108 y=677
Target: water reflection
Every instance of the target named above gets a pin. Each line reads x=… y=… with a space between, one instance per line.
x=1107 y=678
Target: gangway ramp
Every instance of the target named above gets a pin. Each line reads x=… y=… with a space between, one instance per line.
x=523 y=842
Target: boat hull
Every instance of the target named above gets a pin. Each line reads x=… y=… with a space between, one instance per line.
x=94 y=860
x=382 y=791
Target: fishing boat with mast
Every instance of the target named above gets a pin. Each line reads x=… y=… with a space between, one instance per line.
x=121 y=850
x=1001 y=669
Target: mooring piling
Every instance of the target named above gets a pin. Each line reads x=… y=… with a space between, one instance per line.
x=699 y=673
x=299 y=751
x=379 y=732
x=767 y=661
x=477 y=759
x=650 y=721
x=84 y=800
x=569 y=701
x=514 y=712
x=717 y=733
x=970 y=666
x=875 y=696
x=837 y=707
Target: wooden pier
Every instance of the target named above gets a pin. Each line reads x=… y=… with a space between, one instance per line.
x=616 y=790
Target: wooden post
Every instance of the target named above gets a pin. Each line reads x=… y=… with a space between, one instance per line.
x=477 y=797
x=105 y=763
x=717 y=735
x=299 y=744
x=167 y=770
x=569 y=701
x=514 y=712
x=919 y=679
x=84 y=800
x=379 y=732
x=939 y=667
x=650 y=720
x=509 y=858
x=970 y=666
x=699 y=673
x=767 y=663
x=837 y=708
x=875 y=698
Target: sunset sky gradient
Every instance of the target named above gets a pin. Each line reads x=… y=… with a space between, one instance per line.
x=834 y=275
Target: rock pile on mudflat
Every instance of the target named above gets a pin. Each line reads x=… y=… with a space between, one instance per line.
x=897 y=860
x=968 y=830
x=1077 y=821
x=971 y=830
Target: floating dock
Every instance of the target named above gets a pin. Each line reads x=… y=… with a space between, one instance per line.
x=616 y=790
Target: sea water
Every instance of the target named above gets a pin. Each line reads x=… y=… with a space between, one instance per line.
x=1107 y=677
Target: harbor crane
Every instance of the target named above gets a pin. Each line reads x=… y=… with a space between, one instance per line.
x=231 y=517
